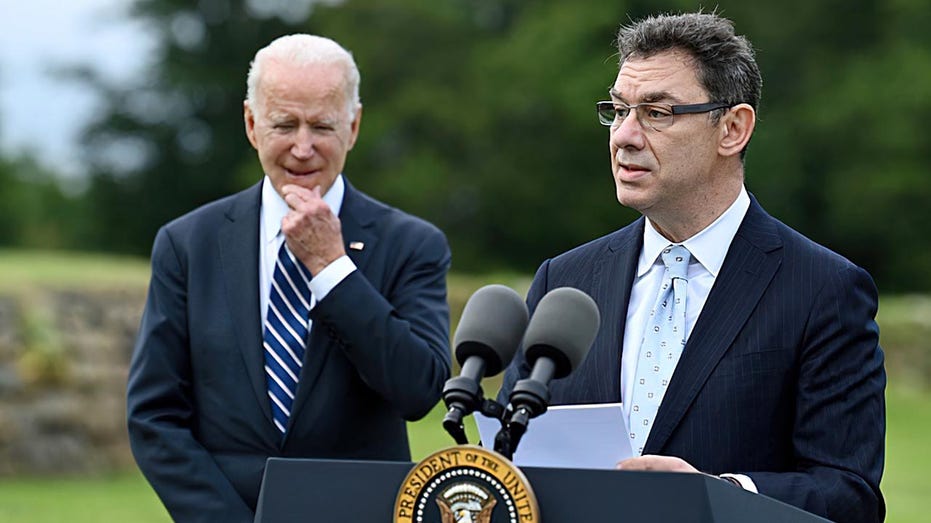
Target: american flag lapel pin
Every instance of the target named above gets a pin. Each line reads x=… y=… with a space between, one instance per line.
x=356 y=246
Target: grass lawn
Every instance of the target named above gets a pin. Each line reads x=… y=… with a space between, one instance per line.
x=127 y=497
x=19 y=268
x=905 y=482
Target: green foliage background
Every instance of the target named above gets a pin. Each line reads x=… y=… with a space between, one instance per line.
x=479 y=117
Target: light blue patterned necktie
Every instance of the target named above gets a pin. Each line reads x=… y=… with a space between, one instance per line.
x=663 y=341
x=286 y=333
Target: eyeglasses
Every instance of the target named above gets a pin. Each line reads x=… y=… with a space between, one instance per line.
x=655 y=116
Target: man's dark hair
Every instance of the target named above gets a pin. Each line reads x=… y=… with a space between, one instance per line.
x=724 y=61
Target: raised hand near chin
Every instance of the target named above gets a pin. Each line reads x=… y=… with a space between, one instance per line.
x=312 y=231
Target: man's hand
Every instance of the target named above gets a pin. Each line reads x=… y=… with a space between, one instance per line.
x=653 y=462
x=312 y=231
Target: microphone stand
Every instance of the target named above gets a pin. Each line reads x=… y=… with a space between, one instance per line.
x=528 y=400
x=463 y=395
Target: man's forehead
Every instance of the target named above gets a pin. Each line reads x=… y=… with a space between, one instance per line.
x=281 y=112
x=315 y=95
x=666 y=76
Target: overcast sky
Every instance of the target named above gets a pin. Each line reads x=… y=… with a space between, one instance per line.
x=38 y=111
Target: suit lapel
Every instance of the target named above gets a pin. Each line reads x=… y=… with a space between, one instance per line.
x=752 y=260
x=356 y=219
x=612 y=282
x=239 y=261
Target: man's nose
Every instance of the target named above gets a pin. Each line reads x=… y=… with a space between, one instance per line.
x=629 y=132
x=303 y=146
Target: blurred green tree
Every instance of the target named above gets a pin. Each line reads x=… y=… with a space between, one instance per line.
x=479 y=117
x=34 y=211
x=842 y=147
x=175 y=140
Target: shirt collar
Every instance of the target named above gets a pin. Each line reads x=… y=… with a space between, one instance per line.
x=708 y=247
x=274 y=208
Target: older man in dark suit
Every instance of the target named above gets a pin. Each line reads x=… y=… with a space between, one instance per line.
x=298 y=318
x=738 y=347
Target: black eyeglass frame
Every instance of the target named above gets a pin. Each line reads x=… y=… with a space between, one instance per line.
x=704 y=107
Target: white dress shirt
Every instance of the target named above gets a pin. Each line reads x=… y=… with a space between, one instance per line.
x=273 y=210
x=709 y=248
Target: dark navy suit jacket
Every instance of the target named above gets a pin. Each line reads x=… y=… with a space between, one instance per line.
x=782 y=377
x=200 y=422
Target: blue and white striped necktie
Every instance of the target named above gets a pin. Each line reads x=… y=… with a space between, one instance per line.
x=285 y=337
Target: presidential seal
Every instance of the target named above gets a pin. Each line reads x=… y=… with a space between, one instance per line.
x=465 y=484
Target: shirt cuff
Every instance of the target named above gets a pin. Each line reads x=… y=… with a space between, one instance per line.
x=331 y=275
x=744 y=481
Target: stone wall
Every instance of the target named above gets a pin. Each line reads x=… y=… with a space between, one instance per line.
x=64 y=356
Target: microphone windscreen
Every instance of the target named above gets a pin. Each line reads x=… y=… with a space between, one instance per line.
x=562 y=328
x=491 y=327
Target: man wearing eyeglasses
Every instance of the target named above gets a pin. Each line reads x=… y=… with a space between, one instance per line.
x=738 y=347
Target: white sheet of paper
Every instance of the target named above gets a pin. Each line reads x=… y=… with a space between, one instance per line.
x=568 y=436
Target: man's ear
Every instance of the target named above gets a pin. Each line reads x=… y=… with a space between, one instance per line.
x=736 y=128
x=354 y=127
x=248 y=116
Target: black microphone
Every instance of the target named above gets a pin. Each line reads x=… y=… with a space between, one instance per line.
x=489 y=332
x=559 y=336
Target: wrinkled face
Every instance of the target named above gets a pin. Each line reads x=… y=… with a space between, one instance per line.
x=658 y=172
x=300 y=124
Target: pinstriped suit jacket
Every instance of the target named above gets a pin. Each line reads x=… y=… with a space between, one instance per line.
x=782 y=378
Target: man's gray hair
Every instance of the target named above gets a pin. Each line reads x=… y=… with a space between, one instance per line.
x=305 y=49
